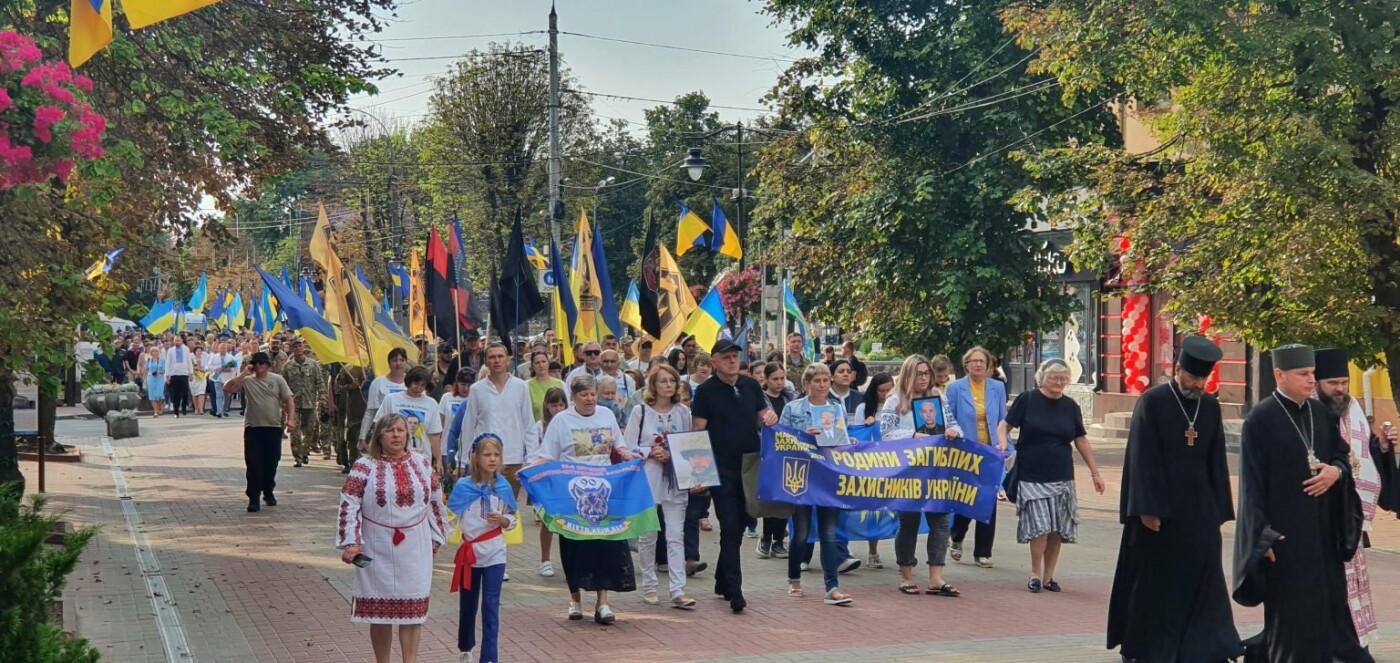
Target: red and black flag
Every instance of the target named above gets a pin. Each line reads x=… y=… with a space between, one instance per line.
x=442 y=313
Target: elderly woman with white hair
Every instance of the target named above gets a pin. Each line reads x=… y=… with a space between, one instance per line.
x=1047 y=512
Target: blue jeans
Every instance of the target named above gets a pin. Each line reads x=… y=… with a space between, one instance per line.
x=485 y=594
x=826 y=533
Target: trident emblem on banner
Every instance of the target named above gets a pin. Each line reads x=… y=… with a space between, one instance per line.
x=795 y=475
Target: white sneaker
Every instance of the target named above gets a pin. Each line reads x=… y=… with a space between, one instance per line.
x=464 y=657
x=505 y=576
x=874 y=561
x=547 y=569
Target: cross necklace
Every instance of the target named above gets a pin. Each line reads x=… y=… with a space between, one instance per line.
x=1307 y=439
x=1190 y=418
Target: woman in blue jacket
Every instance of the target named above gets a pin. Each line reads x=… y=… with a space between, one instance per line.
x=980 y=404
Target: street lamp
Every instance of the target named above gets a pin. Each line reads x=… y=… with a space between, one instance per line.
x=694 y=164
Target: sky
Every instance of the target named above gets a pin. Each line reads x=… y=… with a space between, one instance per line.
x=439 y=29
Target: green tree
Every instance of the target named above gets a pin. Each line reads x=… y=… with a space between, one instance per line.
x=897 y=188
x=32 y=575
x=1273 y=205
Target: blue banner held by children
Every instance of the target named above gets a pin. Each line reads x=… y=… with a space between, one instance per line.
x=593 y=502
x=930 y=473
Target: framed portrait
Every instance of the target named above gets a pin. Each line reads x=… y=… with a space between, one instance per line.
x=928 y=415
x=694 y=459
x=830 y=422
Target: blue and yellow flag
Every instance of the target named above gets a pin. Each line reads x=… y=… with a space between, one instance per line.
x=200 y=296
x=398 y=278
x=726 y=239
x=216 y=310
x=323 y=337
x=89 y=30
x=532 y=254
x=565 y=312
x=382 y=334
x=809 y=349
x=104 y=265
x=161 y=318
x=593 y=502
x=631 y=308
x=237 y=315
x=691 y=230
x=143 y=13
x=707 y=321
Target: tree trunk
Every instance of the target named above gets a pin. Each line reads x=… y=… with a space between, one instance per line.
x=1392 y=369
x=10 y=476
x=48 y=417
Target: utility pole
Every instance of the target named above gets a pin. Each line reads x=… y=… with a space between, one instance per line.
x=556 y=197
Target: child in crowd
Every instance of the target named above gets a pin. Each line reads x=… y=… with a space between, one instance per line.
x=485 y=508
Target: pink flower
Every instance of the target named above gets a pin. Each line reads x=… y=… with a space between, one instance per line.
x=44 y=119
x=61 y=169
x=16 y=51
x=82 y=83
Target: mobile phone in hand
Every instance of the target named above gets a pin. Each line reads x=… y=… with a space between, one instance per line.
x=361 y=560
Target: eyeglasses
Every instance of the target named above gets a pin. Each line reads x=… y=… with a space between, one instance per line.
x=921 y=374
x=592 y=353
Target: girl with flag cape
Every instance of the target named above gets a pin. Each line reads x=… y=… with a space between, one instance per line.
x=483 y=505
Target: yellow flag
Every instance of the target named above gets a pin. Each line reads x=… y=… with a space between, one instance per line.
x=143 y=13
x=337 y=292
x=675 y=303
x=417 y=306
x=380 y=333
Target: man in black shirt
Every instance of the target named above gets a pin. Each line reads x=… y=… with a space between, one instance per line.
x=731 y=406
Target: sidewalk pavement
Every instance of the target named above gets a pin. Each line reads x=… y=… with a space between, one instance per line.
x=269 y=586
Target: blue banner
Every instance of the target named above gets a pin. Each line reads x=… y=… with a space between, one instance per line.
x=930 y=473
x=592 y=502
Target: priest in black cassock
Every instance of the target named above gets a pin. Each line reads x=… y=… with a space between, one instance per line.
x=1298 y=519
x=1170 y=603
x=1374 y=474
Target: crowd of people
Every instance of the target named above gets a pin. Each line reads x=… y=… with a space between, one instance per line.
x=467 y=422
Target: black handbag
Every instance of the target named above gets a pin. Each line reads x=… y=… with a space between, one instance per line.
x=1009 y=484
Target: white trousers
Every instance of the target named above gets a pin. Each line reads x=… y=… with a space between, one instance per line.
x=673 y=509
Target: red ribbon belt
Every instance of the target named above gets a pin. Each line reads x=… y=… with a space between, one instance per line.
x=398 y=531
x=466 y=559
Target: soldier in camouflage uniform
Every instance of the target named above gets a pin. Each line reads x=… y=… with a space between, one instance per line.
x=347 y=408
x=308 y=383
x=278 y=357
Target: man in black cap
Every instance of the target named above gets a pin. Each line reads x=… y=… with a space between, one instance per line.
x=270 y=406
x=1170 y=601
x=731 y=406
x=1374 y=475
x=1298 y=519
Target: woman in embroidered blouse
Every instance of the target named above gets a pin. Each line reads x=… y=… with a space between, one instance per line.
x=660 y=413
x=390 y=512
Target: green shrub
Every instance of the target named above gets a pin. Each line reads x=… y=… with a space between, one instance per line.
x=32 y=575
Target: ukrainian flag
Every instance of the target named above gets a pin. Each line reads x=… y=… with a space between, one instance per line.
x=143 y=13
x=103 y=265
x=398 y=276
x=381 y=333
x=323 y=338
x=216 y=312
x=707 y=321
x=726 y=239
x=691 y=230
x=200 y=297
x=237 y=316
x=532 y=253
x=89 y=30
x=161 y=317
x=631 y=313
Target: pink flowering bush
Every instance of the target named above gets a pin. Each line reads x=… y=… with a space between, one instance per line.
x=740 y=292
x=45 y=126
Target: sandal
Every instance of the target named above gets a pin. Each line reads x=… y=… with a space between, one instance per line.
x=683 y=602
x=1034 y=585
x=650 y=598
x=1052 y=586
x=796 y=592
x=944 y=590
x=838 y=598
x=909 y=588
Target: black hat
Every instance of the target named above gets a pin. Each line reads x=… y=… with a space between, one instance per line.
x=259 y=358
x=471 y=335
x=1198 y=355
x=1293 y=355
x=1332 y=363
x=723 y=345
x=689 y=453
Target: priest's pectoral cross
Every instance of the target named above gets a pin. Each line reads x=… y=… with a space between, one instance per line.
x=1191 y=436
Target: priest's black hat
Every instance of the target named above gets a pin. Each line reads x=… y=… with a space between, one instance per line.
x=1332 y=363
x=1293 y=355
x=1198 y=355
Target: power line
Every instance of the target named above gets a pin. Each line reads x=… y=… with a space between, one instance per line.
x=664 y=101
x=680 y=48
x=980 y=157
x=481 y=35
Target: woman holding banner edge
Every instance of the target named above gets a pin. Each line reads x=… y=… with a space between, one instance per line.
x=1047 y=513
x=597 y=566
x=801 y=415
x=915 y=381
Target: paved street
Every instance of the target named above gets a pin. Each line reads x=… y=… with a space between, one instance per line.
x=269 y=586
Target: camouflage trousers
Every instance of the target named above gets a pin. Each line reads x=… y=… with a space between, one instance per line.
x=346 y=438
x=304 y=436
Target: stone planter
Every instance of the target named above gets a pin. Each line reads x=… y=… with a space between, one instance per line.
x=119 y=429
x=100 y=401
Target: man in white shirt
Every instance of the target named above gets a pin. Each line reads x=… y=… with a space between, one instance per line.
x=626 y=386
x=643 y=360
x=179 y=365
x=592 y=355
x=499 y=404
x=214 y=362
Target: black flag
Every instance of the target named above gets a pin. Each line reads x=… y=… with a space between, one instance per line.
x=649 y=283
x=514 y=296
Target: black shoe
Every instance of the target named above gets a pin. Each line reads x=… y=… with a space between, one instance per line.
x=1052 y=586
x=345 y=469
x=253 y=506
x=298 y=463
x=1034 y=585
x=270 y=500
x=737 y=603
